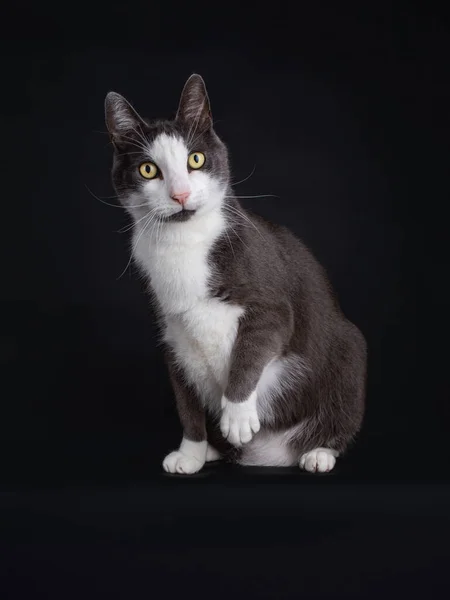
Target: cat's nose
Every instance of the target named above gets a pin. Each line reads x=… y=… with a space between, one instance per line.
x=181 y=197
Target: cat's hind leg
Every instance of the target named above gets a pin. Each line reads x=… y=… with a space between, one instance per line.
x=280 y=449
x=336 y=416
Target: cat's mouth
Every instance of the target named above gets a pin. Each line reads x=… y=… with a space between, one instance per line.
x=182 y=215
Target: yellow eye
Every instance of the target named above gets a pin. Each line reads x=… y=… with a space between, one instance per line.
x=148 y=170
x=196 y=160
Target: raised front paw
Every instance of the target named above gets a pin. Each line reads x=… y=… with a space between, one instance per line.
x=239 y=420
x=178 y=462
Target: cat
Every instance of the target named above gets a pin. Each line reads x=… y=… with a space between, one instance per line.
x=265 y=368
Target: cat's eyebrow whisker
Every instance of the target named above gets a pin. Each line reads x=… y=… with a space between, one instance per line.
x=134 y=142
x=127 y=153
x=192 y=144
x=132 y=139
x=141 y=136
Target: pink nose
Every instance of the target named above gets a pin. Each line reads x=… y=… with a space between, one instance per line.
x=181 y=198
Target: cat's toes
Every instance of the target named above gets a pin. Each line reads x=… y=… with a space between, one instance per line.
x=239 y=420
x=177 y=462
x=320 y=460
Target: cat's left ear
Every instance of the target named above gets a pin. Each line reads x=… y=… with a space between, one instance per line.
x=194 y=104
x=121 y=118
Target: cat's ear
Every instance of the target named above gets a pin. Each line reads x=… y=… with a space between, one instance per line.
x=120 y=116
x=194 y=104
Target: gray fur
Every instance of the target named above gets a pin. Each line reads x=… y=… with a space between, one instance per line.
x=291 y=309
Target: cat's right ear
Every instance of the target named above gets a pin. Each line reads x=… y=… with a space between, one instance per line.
x=121 y=118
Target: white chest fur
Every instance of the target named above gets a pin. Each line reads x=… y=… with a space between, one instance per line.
x=201 y=330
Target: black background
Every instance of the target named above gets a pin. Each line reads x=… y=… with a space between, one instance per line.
x=341 y=112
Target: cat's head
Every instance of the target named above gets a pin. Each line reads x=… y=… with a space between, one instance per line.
x=172 y=170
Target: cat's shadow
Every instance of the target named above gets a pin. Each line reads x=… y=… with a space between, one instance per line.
x=225 y=471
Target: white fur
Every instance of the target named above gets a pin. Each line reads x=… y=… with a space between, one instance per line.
x=270 y=449
x=212 y=454
x=239 y=420
x=188 y=459
x=170 y=154
x=279 y=377
x=276 y=448
x=273 y=449
x=320 y=460
x=202 y=339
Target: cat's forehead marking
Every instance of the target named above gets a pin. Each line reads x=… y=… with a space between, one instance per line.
x=168 y=150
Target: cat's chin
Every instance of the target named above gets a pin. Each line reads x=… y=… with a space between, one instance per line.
x=180 y=216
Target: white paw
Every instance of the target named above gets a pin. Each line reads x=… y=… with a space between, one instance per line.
x=177 y=462
x=189 y=459
x=239 y=420
x=320 y=460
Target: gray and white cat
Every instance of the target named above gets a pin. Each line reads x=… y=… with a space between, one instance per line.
x=265 y=368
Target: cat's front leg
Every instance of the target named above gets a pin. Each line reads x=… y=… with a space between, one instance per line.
x=191 y=455
x=262 y=333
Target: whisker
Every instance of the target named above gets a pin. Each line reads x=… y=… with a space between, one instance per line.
x=229 y=241
x=248 y=177
x=242 y=241
x=148 y=222
x=134 y=142
x=242 y=215
x=141 y=135
x=260 y=196
x=102 y=201
x=193 y=142
x=127 y=153
x=108 y=197
x=128 y=227
x=241 y=223
x=113 y=205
